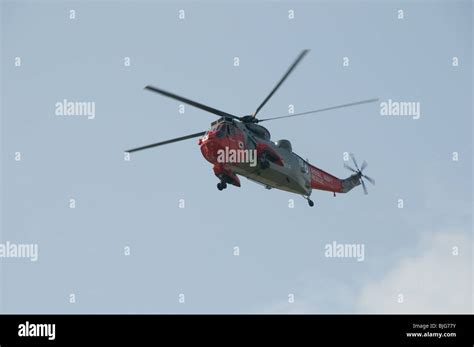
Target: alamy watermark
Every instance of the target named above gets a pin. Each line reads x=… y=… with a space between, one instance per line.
x=401 y=108
x=75 y=108
x=230 y=156
x=28 y=329
x=19 y=250
x=345 y=250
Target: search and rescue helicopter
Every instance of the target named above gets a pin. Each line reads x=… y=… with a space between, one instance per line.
x=241 y=146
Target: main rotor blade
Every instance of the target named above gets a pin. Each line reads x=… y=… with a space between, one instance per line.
x=354 y=161
x=349 y=168
x=191 y=102
x=363 y=166
x=166 y=142
x=287 y=73
x=371 y=180
x=321 y=110
x=363 y=186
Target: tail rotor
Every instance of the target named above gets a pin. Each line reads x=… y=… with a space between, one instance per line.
x=359 y=172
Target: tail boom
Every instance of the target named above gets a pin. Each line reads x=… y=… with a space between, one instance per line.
x=322 y=180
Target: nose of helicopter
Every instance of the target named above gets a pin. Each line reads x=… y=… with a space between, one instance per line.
x=210 y=146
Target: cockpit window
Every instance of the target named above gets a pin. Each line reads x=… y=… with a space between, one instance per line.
x=230 y=129
x=220 y=130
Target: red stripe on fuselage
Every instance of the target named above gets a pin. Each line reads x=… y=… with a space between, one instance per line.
x=324 y=181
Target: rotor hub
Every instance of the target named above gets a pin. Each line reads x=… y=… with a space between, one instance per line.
x=249 y=119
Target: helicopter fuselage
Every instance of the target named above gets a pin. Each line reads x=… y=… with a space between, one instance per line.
x=276 y=165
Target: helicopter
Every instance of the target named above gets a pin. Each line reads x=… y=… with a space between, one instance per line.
x=240 y=146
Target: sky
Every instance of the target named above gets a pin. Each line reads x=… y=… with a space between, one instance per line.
x=128 y=246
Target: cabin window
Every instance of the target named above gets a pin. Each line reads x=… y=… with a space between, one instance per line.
x=304 y=166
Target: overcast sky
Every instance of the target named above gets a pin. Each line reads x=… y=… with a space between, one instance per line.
x=409 y=251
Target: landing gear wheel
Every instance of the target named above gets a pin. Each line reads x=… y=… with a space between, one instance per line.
x=221 y=185
x=310 y=203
